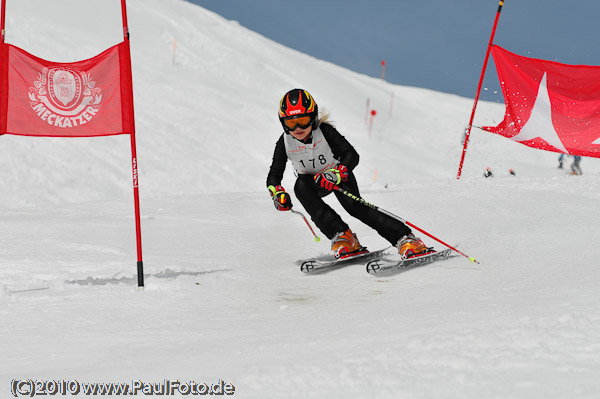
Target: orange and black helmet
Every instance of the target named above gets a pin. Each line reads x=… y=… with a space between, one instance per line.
x=298 y=109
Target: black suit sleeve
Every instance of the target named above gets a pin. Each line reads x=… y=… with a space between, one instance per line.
x=278 y=164
x=341 y=148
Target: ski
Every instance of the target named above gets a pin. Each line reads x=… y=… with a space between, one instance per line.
x=316 y=266
x=381 y=266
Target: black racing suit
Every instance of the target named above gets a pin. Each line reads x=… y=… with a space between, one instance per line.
x=310 y=195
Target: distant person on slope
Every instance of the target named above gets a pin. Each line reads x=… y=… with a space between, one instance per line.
x=323 y=158
x=575 y=168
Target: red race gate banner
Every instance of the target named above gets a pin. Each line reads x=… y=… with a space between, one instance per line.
x=93 y=97
x=78 y=99
x=549 y=105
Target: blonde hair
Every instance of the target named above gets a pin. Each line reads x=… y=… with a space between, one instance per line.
x=324 y=117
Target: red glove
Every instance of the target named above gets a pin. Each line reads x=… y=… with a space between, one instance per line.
x=330 y=178
x=281 y=199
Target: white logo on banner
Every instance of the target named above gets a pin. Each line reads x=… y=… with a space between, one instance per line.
x=64 y=97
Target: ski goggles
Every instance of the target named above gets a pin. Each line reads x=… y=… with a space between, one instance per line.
x=301 y=122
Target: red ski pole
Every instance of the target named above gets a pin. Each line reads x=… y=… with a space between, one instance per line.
x=362 y=201
x=317 y=238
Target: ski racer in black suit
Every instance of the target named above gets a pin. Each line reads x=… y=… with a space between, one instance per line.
x=322 y=158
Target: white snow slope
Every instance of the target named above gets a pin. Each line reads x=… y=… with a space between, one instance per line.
x=224 y=297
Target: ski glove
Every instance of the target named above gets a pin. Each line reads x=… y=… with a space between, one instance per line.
x=281 y=199
x=330 y=178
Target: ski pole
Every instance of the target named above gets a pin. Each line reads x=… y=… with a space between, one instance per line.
x=317 y=238
x=362 y=201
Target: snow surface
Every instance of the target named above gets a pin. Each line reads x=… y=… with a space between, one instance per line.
x=224 y=296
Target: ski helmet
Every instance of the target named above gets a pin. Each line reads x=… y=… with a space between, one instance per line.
x=298 y=109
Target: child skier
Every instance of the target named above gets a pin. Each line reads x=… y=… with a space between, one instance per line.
x=322 y=158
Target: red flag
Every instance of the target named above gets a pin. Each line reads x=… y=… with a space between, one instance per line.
x=550 y=106
x=78 y=99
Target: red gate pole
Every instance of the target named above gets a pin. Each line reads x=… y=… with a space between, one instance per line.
x=487 y=56
x=3 y=18
x=134 y=162
x=3 y=71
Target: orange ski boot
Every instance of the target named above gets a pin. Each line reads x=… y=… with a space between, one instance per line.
x=409 y=246
x=345 y=244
